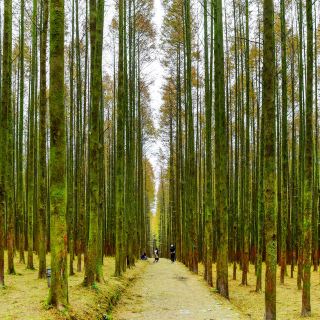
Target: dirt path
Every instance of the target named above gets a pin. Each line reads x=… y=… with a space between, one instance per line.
x=169 y=291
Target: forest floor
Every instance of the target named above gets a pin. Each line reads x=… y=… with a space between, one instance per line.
x=288 y=296
x=24 y=296
x=170 y=291
x=151 y=291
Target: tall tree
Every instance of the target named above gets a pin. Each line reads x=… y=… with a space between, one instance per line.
x=43 y=141
x=31 y=139
x=268 y=105
x=246 y=192
x=58 y=295
x=221 y=152
x=93 y=265
x=9 y=132
x=70 y=150
x=5 y=130
x=20 y=184
x=208 y=190
x=120 y=155
x=190 y=149
x=308 y=182
x=284 y=144
x=301 y=149
x=2 y=189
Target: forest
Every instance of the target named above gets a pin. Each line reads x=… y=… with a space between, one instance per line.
x=132 y=127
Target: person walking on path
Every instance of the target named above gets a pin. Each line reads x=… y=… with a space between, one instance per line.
x=156 y=255
x=173 y=253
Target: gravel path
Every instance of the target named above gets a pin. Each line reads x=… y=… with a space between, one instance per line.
x=170 y=291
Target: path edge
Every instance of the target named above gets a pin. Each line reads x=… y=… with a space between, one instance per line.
x=106 y=301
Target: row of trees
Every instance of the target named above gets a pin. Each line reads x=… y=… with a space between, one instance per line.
x=75 y=179
x=240 y=126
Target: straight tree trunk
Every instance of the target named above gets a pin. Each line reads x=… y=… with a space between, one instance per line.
x=20 y=187
x=9 y=149
x=70 y=153
x=285 y=166
x=315 y=200
x=5 y=101
x=79 y=174
x=246 y=206
x=31 y=140
x=43 y=142
x=190 y=156
x=120 y=147
x=221 y=154
x=93 y=264
x=308 y=182
x=300 y=183
x=2 y=181
x=58 y=295
x=294 y=208
x=268 y=106
x=208 y=169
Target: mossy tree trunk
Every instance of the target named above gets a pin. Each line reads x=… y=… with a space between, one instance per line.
x=300 y=181
x=43 y=141
x=58 y=295
x=269 y=119
x=190 y=146
x=9 y=132
x=93 y=271
x=70 y=151
x=120 y=146
x=284 y=145
x=2 y=182
x=260 y=178
x=179 y=157
x=5 y=133
x=236 y=147
x=246 y=165
x=31 y=140
x=315 y=198
x=79 y=156
x=293 y=184
x=208 y=170
x=308 y=182
x=20 y=180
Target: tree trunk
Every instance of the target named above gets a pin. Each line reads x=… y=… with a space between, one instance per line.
x=268 y=106
x=308 y=182
x=58 y=295
x=221 y=151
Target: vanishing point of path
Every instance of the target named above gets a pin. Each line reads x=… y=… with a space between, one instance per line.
x=170 y=291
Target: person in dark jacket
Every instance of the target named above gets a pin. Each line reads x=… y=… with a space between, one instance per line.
x=144 y=256
x=156 y=255
x=173 y=253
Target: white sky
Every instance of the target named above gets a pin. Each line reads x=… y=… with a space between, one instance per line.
x=156 y=73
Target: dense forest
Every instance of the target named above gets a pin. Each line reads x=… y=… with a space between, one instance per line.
x=241 y=129
x=74 y=172
x=235 y=186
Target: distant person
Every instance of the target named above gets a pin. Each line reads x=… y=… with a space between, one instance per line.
x=173 y=253
x=156 y=255
x=144 y=256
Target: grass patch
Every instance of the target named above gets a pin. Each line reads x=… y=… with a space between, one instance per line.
x=251 y=303
x=25 y=297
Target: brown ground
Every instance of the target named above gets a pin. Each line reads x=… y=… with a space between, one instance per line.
x=288 y=296
x=169 y=291
x=25 y=295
